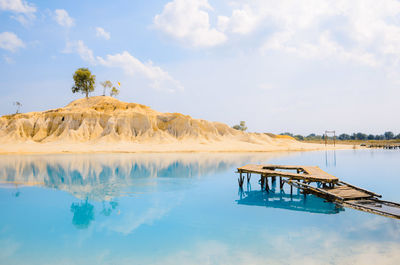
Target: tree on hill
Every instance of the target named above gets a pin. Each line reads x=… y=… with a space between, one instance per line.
x=114 y=92
x=84 y=81
x=299 y=137
x=18 y=105
x=106 y=84
x=241 y=126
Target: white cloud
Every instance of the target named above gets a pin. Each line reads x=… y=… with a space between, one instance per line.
x=366 y=32
x=242 y=21
x=100 y=32
x=62 y=17
x=8 y=59
x=24 y=19
x=10 y=42
x=24 y=12
x=18 y=6
x=188 y=21
x=159 y=79
x=80 y=48
x=363 y=31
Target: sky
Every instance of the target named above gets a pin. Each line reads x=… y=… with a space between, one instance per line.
x=297 y=66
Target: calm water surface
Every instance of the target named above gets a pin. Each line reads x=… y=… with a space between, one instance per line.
x=187 y=209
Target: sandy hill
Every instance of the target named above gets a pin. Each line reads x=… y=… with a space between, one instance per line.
x=106 y=124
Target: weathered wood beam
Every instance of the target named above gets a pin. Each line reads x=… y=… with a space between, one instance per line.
x=360 y=189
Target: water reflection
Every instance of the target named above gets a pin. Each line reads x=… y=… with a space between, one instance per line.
x=178 y=216
x=107 y=209
x=103 y=177
x=83 y=214
x=282 y=200
x=330 y=158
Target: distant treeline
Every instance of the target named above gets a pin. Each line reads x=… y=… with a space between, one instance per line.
x=345 y=136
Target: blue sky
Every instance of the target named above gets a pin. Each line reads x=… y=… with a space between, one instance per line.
x=300 y=66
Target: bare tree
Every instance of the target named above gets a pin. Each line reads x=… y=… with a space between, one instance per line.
x=106 y=84
x=18 y=105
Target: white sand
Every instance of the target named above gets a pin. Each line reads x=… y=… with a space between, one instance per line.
x=105 y=124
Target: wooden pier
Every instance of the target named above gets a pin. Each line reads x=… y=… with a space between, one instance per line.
x=384 y=146
x=313 y=180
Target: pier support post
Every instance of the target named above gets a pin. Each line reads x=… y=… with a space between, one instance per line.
x=241 y=180
x=262 y=182
x=248 y=177
x=280 y=183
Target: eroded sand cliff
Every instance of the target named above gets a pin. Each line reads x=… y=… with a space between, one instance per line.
x=105 y=124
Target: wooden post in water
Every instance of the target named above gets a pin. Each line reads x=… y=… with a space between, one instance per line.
x=334 y=138
x=262 y=182
x=241 y=180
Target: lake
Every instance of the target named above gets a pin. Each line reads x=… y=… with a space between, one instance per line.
x=188 y=209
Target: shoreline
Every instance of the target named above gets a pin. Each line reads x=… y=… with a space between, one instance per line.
x=132 y=148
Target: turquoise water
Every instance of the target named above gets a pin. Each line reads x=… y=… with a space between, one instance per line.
x=187 y=209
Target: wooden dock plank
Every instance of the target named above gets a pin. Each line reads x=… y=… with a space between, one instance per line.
x=310 y=173
x=347 y=192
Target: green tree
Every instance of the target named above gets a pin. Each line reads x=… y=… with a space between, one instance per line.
x=389 y=135
x=18 y=105
x=361 y=136
x=344 y=136
x=84 y=81
x=106 y=84
x=299 y=137
x=114 y=92
x=241 y=126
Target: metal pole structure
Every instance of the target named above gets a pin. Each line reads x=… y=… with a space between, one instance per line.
x=334 y=138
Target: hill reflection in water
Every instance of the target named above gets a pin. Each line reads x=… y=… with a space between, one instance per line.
x=102 y=177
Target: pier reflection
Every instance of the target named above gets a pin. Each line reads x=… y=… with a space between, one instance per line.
x=282 y=200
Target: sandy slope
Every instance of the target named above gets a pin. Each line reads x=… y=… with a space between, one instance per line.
x=105 y=124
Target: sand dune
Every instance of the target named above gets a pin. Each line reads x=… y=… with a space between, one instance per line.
x=105 y=124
